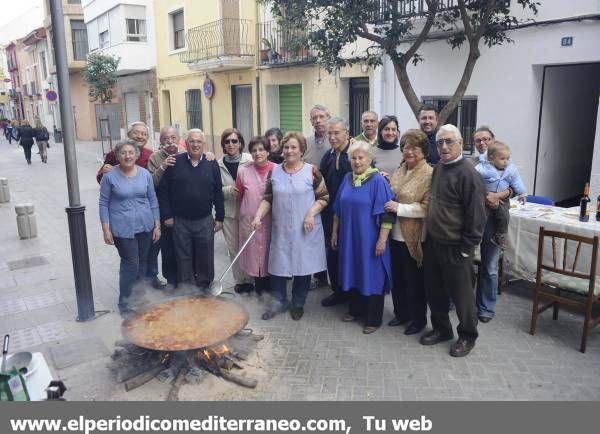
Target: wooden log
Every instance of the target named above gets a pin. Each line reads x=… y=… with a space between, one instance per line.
x=143 y=378
x=250 y=383
x=179 y=379
x=124 y=372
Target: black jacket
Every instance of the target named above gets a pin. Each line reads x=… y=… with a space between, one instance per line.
x=25 y=135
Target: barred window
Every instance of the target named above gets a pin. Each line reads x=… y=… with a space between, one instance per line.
x=193 y=108
x=464 y=116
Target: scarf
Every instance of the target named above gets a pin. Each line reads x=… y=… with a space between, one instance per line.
x=229 y=159
x=358 y=180
x=409 y=187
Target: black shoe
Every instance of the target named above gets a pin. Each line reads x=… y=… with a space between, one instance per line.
x=461 y=347
x=268 y=315
x=157 y=283
x=434 y=337
x=413 y=329
x=297 y=313
x=484 y=319
x=333 y=299
x=394 y=322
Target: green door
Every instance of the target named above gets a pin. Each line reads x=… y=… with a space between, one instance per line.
x=290 y=107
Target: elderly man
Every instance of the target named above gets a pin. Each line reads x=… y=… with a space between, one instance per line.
x=188 y=209
x=455 y=222
x=335 y=164
x=317 y=144
x=368 y=122
x=157 y=164
x=428 y=121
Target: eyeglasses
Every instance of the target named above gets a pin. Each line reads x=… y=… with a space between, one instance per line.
x=195 y=142
x=232 y=141
x=483 y=139
x=449 y=142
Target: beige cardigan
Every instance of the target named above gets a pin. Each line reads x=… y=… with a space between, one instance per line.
x=413 y=192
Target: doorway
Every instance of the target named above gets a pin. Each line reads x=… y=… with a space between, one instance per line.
x=359 y=103
x=241 y=98
x=567 y=128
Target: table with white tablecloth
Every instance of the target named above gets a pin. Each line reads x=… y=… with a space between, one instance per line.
x=520 y=256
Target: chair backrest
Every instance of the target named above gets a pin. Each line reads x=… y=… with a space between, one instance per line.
x=561 y=263
x=542 y=200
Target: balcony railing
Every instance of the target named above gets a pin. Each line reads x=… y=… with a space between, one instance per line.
x=228 y=37
x=414 y=8
x=283 y=45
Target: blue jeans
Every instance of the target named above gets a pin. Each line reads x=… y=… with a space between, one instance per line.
x=487 y=283
x=279 y=291
x=134 y=259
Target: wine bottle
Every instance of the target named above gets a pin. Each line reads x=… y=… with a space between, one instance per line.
x=583 y=204
x=598 y=209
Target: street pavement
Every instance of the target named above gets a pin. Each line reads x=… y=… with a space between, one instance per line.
x=316 y=358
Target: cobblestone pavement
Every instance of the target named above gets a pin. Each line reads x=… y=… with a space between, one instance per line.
x=317 y=358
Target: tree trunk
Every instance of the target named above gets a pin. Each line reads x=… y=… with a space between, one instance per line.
x=407 y=89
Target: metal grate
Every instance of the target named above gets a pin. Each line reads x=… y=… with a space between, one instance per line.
x=464 y=117
x=283 y=45
x=193 y=108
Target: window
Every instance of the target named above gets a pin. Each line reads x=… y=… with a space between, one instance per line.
x=136 y=30
x=79 y=37
x=193 y=108
x=43 y=65
x=74 y=2
x=464 y=117
x=178 y=30
x=103 y=31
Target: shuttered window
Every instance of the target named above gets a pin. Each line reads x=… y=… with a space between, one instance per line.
x=290 y=107
x=193 y=108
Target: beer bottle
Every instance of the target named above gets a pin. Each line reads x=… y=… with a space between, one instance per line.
x=583 y=204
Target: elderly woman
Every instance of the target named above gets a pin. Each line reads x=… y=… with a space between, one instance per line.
x=232 y=143
x=387 y=155
x=139 y=133
x=295 y=195
x=274 y=137
x=361 y=227
x=250 y=185
x=411 y=183
x=25 y=135
x=129 y=216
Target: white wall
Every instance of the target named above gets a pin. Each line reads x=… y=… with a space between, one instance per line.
x=567 y=130
x=507 y=81
x=135 y=56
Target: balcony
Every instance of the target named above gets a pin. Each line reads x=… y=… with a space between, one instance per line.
x=280 y=46
x=219 y=46
x=415 y=8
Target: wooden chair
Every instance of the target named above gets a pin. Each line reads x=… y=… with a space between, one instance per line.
x=554 y=282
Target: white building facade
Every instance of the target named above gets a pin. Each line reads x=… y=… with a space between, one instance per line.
x=539 y=95
x=126 y=30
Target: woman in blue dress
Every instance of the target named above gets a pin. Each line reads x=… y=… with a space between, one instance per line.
x=361 y=228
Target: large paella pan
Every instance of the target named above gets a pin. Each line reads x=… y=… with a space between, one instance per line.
x=185 y=323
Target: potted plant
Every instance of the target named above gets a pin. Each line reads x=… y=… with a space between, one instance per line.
x=297 y=45
x=268 y=54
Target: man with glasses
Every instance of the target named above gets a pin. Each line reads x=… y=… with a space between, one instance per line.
x=428 y=121
x=188 y=210
x=317 y=144
x=455 y=222
x=368 y=122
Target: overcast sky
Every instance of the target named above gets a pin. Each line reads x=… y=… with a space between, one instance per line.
x=11 y=10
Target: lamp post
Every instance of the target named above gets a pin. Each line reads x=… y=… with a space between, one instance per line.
x=75 y=210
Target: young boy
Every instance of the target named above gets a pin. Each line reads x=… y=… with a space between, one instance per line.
x=498 y=175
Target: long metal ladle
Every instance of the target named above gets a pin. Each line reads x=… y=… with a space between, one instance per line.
x=216 y=287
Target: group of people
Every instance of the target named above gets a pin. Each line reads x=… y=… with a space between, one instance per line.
x=24 y=134
x=381 y=212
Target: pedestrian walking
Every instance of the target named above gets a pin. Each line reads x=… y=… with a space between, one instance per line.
x=41 y=139
x=25 y=135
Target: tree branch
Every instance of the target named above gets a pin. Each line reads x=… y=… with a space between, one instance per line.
x=364 y=33
x=431 y=12
x=489 y=10
x=465 y=19
x=409 y=92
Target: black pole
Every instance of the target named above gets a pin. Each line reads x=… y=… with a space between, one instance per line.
x=75 y=211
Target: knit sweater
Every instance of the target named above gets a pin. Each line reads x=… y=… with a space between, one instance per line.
x=191 y=192
x=456 y=212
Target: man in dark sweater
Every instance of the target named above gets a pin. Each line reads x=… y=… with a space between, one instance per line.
x=187 y=193
x=335 y=164
x=428 y=122
x=455 y=222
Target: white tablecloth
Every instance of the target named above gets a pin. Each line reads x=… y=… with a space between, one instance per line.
x=525 y=221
